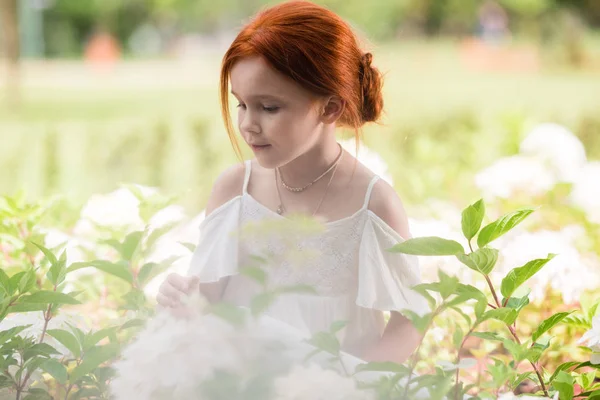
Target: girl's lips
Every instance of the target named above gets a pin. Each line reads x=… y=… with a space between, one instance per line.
x=260 y=147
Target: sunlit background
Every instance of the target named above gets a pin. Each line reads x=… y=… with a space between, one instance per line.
x=109 y=112
x=493 y=99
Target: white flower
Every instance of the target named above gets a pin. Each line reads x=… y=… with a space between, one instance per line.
x=369 y=158
x=512 y=175
x=37 y=321
x=517 y=248
x=169 y=245
x=586 y=191
x=315 y=383
x=595 y=357
x=558 y=147
x=592 y=337
x=175 y=355
x=118 y=209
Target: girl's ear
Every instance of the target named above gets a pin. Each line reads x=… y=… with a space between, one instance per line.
x=332 y=109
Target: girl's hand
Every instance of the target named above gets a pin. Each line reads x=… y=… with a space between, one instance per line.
x=171 y=290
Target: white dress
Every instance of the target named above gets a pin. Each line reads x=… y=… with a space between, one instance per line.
x=356 y=279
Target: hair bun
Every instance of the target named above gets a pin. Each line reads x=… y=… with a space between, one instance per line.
x=371 y=83
x=366 y=60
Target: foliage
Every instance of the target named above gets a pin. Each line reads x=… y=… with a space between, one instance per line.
x=72 y=362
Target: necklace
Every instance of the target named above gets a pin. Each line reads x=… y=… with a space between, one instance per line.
x=281 y=208
x=303 y=188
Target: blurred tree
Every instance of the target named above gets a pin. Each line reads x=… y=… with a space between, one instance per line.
x=69 y=23
x=11 y=47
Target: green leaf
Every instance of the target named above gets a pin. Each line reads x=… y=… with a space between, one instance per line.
x=37 y=394
x=94 y=358
x=230 y=313
x=190 y=246
x=25 y=307
x=5 y=283
x=66 y=339
x=592 y=311
x=534 y=353
x=472 y=217
x=519 y=352
x=27 y=281
x=519 y=300
x=119 y=269
x=8 y=334
x=481 y=260
x=39 y=349
x=520 y=378
x=447 y=284
x=150 y=270
x=476 y=294
x=419 y=322
x=457 y=336
x=464 y=315
x=549 y=324
x=49 y=297
x=256 y=273
x=506 y=315
x=488 y=336
x=578 y=322
x=49 y=255
x=93 y=338
x=56 y=370
x=383 y=367
x=130 y=244
x=157 y=233
x=87 y=393
x=563 y=367
x=502 y=225
x=261 y=302
x=326 y=342
x=5 y=382
x=337 y=326
x=136 y=322
x=134 y=299
x=429 y=246
x=16 y=279
x=520 y=275
x=564 y=384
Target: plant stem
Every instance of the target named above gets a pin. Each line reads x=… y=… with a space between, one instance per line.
x=514 y=334
x=415 y=356
x=489 y=282
x=47 y=318
x=458 y=357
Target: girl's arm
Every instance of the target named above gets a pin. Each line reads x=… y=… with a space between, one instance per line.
x=228 y=185
x=398 y=342
x=400 y=337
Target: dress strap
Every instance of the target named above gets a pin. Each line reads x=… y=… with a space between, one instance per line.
x=247 y=175
x=369 y=190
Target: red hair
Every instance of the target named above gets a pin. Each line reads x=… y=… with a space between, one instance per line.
x=317 y=49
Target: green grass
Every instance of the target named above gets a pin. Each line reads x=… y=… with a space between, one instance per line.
x=107 y=128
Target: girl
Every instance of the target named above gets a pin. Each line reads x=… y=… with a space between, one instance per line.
x=297 y=73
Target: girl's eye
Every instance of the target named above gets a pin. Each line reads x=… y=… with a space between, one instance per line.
x=240 y=105
x=271 y=109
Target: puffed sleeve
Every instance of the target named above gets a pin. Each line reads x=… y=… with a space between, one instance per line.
x=216 y=255
x=385 y=279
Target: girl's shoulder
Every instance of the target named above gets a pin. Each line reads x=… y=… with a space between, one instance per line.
x=386 y=204
x=228 y=185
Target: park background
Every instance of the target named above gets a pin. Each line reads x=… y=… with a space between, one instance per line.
x=497 y=100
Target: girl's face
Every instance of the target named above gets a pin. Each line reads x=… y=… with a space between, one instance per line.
x=277 y=118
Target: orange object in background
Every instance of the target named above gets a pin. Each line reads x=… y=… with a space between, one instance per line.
x=482 y=56
x=102 y=51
